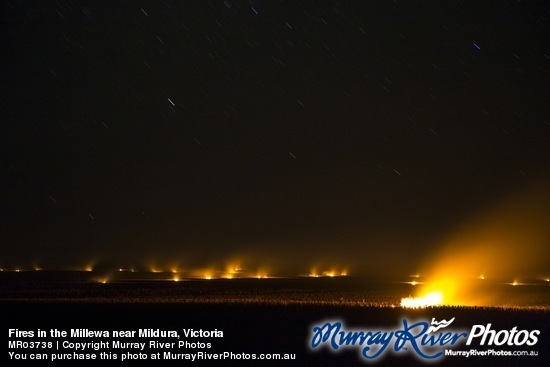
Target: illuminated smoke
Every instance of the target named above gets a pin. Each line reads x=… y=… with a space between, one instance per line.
x=510 y=241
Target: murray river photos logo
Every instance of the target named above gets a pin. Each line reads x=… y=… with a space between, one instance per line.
x=425 y=340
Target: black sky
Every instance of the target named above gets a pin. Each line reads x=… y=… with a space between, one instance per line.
x=355 y=131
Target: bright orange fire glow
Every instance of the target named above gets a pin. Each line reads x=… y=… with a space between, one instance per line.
x=511 y=238
x=431 y=299
x=262 y=274
x=327 y=273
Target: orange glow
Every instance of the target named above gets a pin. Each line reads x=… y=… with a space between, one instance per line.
x=327 y=273
x=204 y=273
x=89 y=267
x=233 y=269
x=435 y=292
x=335 y=273
x=262 y=274
x=432 y=299
x=509 y=239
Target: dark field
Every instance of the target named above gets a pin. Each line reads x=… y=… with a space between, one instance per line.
x=257 y=315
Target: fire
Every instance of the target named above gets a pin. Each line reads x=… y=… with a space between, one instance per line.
x=334 y=273
x=508 y=238
x=203 y=273
x=431 y=299
x=435 y=292
x=262 y=274
x=328 y=273
x=233 y=268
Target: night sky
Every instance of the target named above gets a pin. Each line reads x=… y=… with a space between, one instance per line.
x=357 y=132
